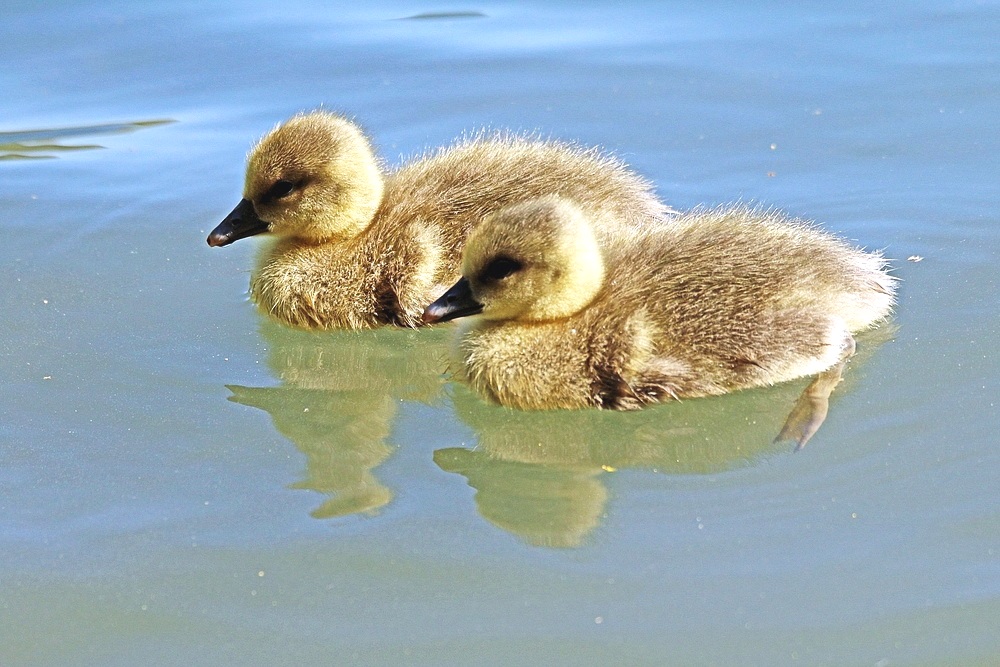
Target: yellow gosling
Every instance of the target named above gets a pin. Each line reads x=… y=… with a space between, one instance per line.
x=356 y=247
x=716 y=301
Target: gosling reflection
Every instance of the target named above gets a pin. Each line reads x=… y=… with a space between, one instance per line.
x=550 y=505
x=343 y=436
x=337 y=403
x=542 y=475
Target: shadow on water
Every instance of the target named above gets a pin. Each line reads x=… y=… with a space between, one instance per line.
x=337 y=403
x=537 y=475
x=42 y=144
x=540 y=475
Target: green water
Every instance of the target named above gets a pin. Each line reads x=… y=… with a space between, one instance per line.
x=184 y=482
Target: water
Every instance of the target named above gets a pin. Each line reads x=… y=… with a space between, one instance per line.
x=185 y=483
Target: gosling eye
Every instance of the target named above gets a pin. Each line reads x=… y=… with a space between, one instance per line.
x=279 y=190
x=500 y=268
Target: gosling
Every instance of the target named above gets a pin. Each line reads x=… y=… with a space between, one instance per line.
x=717 y=301
x=357 y=248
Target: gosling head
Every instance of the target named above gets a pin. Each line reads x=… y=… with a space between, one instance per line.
x=313 y=178
x=533 y=261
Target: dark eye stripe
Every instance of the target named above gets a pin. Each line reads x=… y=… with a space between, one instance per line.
x=500 y=268
x=279 y=190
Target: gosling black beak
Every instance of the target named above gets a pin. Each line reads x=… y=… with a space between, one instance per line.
x=239 y=224
x=456 y=302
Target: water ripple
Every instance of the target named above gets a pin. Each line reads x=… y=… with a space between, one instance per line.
x=45 y=143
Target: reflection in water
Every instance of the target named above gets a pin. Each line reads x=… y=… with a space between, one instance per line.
x=337 y=402
x=538 y=474
x=552 y=505
x=343 y=435
x=38 y=144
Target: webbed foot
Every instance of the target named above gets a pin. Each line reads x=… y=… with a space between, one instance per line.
x=812 y=406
